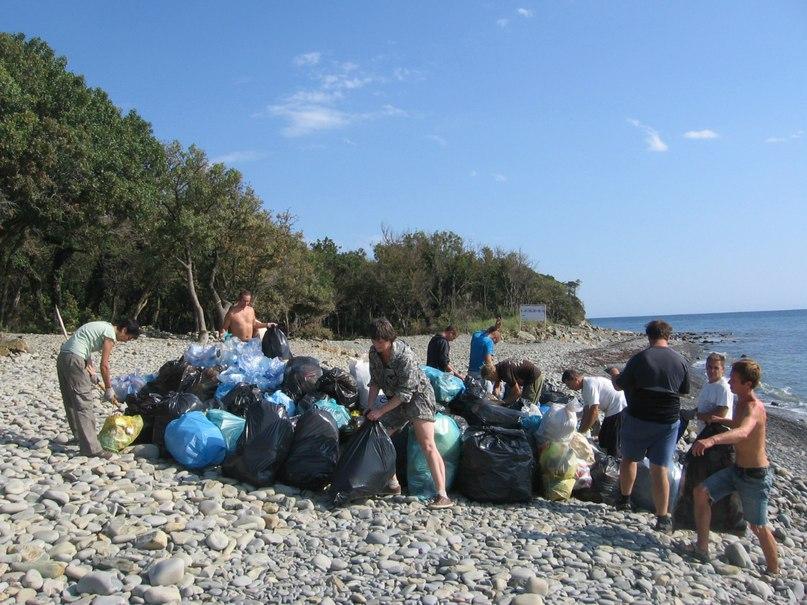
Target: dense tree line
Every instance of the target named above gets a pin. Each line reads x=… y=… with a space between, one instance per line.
x=102 y=220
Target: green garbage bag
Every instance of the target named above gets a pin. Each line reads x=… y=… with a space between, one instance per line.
x=559 y=466
x=448 y=437
x=119 y=432
x=231 y=426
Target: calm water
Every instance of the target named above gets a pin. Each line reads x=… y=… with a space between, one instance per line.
x=776 y=339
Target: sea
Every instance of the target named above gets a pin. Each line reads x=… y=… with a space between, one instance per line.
x=776 y=339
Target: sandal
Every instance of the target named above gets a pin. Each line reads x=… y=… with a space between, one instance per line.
x=690 y=549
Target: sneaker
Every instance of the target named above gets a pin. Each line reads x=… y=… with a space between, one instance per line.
x=102 y=454
x=441 y=502
x=391 y=490
x=664 y=524
x=623 y=503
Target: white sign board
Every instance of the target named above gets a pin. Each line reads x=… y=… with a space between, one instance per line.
x=533 y=313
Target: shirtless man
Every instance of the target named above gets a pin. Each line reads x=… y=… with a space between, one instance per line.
x=240 y=319
x=750 y=476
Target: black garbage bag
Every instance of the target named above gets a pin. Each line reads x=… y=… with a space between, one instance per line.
x=314 y=451
x=182 y=403
x=366 y=465
x=340 y=385
x=202 y=382
x=274 y=344
x=550 y=394
x=496 y=465
x=169 y=378
x=300 y=377
x=263 y=446
x=152 y=404
x=604 y=479
x=727 y=513
x=478 y=409
x=307 y=401
x=238 y=400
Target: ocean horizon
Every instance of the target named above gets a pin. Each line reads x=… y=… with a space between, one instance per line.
x=775 y=339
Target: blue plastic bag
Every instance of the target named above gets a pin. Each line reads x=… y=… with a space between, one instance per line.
x=448 y=437
x=339 y=412
x=194 y=441
x=230 y=425
x=129 y=384
x=533 y=419
x=280 y=398
x=201 y=356
x=446 y=386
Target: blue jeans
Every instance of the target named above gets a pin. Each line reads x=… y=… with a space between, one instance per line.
x=641 y=438
x=753 y=485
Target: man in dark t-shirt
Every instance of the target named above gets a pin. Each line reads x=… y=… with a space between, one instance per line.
x=438 y=353
x=653 y=380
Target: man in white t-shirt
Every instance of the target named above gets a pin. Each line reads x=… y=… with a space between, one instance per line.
x=599 y=395
x=715 y=398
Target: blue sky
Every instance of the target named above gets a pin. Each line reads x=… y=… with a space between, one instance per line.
x=656 y=151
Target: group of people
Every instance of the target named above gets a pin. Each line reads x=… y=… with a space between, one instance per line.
x=643 y=418
x=641 y=407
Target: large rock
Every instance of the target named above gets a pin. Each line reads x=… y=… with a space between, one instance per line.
x=167 y=572
x=11 y=346
x=738 y=556
x=526 y=336
x=99 y=582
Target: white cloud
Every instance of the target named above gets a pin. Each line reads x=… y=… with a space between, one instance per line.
x=473 y=173
x=437 y=139
x=499 y=178
x=502 y=22
x=652 y=137
x=235 y=157
x=311 y=58
x=701 y=134
x=326 y=104
x=796 y=135
x=525 y=12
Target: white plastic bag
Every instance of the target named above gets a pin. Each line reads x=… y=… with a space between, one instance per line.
x=560 y=422
x=360 y=370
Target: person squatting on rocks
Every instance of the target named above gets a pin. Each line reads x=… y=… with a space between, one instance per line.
x=393 y=369
x=522 y=378
x=715 y=398
x=77 y=377
x=240 y=319
x=750 y=476
x=653 y=381
x=483 y=349
x=438 y=353
x=599 y=395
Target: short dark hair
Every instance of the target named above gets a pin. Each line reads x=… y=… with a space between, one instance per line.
x=381 y=329
x=244 y=293
x=570 y=375
x=658 y=329
x=721 y=359
x=451 y=329
x=748 y=370
x=496 y=327
x=131 y=326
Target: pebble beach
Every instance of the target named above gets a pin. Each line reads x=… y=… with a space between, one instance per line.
x=140 y=529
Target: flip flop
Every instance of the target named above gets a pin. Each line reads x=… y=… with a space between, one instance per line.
x=690 y=550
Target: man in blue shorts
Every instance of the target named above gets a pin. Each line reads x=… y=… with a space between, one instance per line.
x=750 y=476
x=653 y=380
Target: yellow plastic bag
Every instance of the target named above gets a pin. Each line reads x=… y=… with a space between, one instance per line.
x=582 y=448
x=119 y=432
x=559 y=465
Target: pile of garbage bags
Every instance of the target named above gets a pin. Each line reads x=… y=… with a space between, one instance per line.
x=284 y=418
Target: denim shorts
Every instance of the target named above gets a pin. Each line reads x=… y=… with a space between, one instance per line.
x=641 y=438
x=753 y=485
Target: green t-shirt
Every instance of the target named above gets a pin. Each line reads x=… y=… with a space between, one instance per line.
x=89 y=338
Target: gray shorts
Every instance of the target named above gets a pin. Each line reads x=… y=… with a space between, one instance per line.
x=417 y=408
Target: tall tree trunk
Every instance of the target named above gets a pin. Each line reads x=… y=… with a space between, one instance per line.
x=156 y=315
x=141 y=303
x=35 y=284
x=198 y=311
x=60 y=258
x=221 y=305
